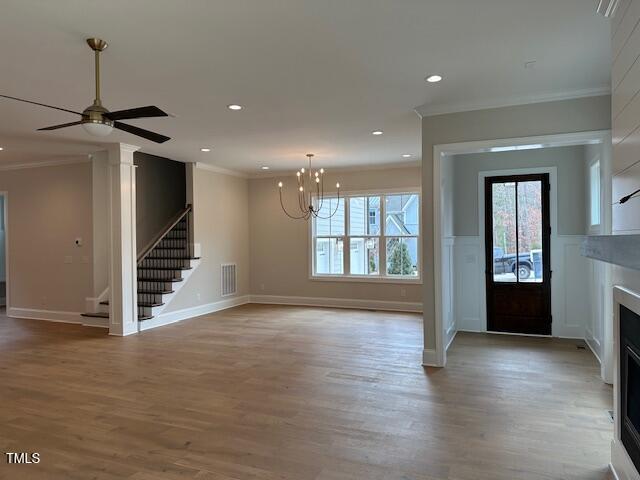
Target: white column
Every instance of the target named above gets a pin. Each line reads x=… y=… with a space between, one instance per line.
x=123 y=303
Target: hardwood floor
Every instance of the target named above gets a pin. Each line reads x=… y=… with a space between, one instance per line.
x=268 y=392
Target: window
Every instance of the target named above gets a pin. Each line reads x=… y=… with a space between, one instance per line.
x=594 y=194
x=381 y=233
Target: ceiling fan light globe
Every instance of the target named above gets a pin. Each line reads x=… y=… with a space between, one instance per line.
x=97 y=129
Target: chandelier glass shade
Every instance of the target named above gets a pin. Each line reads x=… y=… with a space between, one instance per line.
x=310 y=186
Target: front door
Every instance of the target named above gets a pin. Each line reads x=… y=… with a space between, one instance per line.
x=517 y=241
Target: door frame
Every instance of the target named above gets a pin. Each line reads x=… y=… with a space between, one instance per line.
x=443 y=152
x=5 y=195
x=556 y=260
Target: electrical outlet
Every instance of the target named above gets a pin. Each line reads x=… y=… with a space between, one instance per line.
x=43 y=301
x=403 y=292
x=68 y=259
x=85 y=259
x=262 y=286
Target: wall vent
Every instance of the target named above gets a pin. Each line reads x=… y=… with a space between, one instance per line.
x=228 y=279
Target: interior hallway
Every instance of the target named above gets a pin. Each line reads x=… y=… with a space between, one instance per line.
x=265 y=392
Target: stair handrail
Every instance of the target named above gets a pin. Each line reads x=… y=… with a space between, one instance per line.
x=158 y=238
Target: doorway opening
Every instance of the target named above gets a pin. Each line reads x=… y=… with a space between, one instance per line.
x=517 y=254
x=462 y=260
x=4 y=278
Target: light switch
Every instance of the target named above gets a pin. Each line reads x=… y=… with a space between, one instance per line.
x=68 y=259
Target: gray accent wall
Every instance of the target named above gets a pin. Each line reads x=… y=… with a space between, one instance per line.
x=160 y=194
x=570 y=162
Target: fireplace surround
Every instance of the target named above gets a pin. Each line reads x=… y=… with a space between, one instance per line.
x=625 y=448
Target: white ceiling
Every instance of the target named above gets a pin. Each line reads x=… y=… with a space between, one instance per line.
x=313 y=75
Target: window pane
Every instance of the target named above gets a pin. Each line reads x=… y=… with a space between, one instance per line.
x=402 y=256
x=364 y=256
x=529 y=262
x=333 y=226
x=504 y=231
x=357 y=216
x=329 y=256
x=402 y=214
x=594 y=193
x=374 y=215
x=364 y=216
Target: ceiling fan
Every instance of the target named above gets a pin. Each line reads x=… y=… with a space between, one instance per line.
x=99 y=121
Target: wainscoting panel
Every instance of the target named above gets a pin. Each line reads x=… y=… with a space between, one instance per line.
x=469 y=278
x=570 y=294
x=448 y=289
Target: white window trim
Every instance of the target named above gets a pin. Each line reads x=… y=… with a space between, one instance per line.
x=595 y=228
x=382 y=243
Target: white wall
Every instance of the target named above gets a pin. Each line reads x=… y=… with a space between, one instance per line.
x=625 y=118
x=577 y=115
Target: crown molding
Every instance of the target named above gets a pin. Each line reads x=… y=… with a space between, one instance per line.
x=221 y=170
x=48 y=163
x=352 y=168
x=427 y=110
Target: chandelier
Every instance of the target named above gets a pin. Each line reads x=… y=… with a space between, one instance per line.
x=310 y=188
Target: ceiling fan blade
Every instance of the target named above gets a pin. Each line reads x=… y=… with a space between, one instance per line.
x=141 y=132
x=40 y=104
x=63 y=125
x=139 y=112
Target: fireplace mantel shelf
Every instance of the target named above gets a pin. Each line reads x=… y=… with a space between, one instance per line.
x=621 y=250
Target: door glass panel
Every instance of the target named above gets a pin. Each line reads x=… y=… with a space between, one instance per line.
x=503 y=201
x=530 y=231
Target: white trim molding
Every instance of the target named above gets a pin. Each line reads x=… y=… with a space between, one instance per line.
x=191 y=312
x=430 y=358
x=48 y=163
x=221 y=170
x=413 y=307
x=428 y=110
x=57 y=316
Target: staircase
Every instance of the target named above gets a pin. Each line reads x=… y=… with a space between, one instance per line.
x=161 y=267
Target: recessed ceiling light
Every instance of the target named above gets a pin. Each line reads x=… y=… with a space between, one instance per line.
x=377 y=132
x=1 y=149
x=234 y=106
x=264 y=167
x=433 y=78
x=205 y=149
x=406 y=155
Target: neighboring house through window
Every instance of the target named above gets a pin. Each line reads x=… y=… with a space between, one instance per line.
x=381 y=232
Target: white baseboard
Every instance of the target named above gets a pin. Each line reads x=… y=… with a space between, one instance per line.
x=453 y=337
x=621 y=464
x=57 y=316
x=191 y=312
x=429 y=358
x=338 y=303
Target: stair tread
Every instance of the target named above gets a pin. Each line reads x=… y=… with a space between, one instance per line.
x=172 y=258
x=169 y=248
x=106 y=302
x=160 y=280
x=156 y=292
x=149 y=304
x=166 y=268
x=95 y=314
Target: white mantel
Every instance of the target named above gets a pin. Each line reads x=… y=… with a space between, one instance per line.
x=621 y=463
